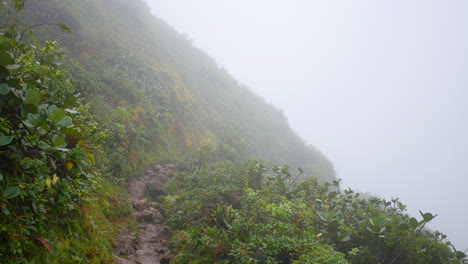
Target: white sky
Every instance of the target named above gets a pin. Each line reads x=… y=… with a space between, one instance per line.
x=381 y=87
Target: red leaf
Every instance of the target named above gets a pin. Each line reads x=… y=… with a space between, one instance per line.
x=45 y=243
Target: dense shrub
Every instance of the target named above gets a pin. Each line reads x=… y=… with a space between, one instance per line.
x=48 y=207
x=223 y=216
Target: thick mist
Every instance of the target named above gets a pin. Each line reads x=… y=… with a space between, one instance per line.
x=379 y=86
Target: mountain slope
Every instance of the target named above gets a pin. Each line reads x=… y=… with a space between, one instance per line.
x=120 y=55
x=131 y=92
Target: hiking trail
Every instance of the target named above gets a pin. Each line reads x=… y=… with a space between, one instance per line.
x=149 y=244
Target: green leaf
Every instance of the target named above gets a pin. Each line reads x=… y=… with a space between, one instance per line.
x=413 y=222
x=34 y=120
x=67 y=121
x=33 y=97
x=60 y=142
x=5 y=45
x=58 y=115
x=28 y=124
x=427 y=216
x=11 y=192
x=42 y=106
x=5 y=58
x=13 y=66
x=43 y=145
x=51 y=109
x=42 y=132
x=5 y=140
x=4 y=89
x=68 y=110
x=404 y=227
x=62 y=149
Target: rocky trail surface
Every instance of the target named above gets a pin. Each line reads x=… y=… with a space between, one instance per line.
x=149 y=244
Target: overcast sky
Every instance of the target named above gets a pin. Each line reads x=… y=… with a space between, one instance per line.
x=381 y=87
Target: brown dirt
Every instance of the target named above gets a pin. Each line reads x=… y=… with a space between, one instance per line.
x=149 y=244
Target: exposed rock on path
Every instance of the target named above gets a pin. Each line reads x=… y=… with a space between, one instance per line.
x=149 y=244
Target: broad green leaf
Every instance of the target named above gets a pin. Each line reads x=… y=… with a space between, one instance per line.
x=43 y=145
x=413 y=222
x=67 y=121
x=5 y=58
x=62 y=149
x=33 y=97
x=12 y=66
x=28 y=124
x=42 y=131
x=42 y=106
x=4 y=89
x=57 y=115
x=68 y=110
x=5 y=140
x=34 y=120
x=11 y=192
x=51 y=109
x=427 y=216
x=5 y=45
x=60 y=142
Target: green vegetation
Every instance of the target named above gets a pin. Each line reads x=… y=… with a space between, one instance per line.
x=160 y=97
x=124 y=91
x=49 y=189
x=243 y=212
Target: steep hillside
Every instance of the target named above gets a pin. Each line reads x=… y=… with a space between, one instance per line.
x=169 y=96
x=81 y=121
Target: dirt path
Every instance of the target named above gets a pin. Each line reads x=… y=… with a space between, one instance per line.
x=149 y=244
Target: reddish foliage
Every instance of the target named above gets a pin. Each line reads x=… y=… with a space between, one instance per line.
x=217 y=250
x=45 y=243
x=20 y=236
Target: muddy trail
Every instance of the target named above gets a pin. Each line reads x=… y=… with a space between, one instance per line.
x=149 y=244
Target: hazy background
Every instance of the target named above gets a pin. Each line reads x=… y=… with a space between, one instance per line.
x=381 y=87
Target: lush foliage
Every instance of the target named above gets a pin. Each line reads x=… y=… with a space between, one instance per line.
x=247 y=213
x=47 y=175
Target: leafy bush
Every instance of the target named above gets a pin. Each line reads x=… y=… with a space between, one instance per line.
x=224 y=216
x=47 y=174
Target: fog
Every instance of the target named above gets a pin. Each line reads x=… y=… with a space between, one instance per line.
x=380 y=87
